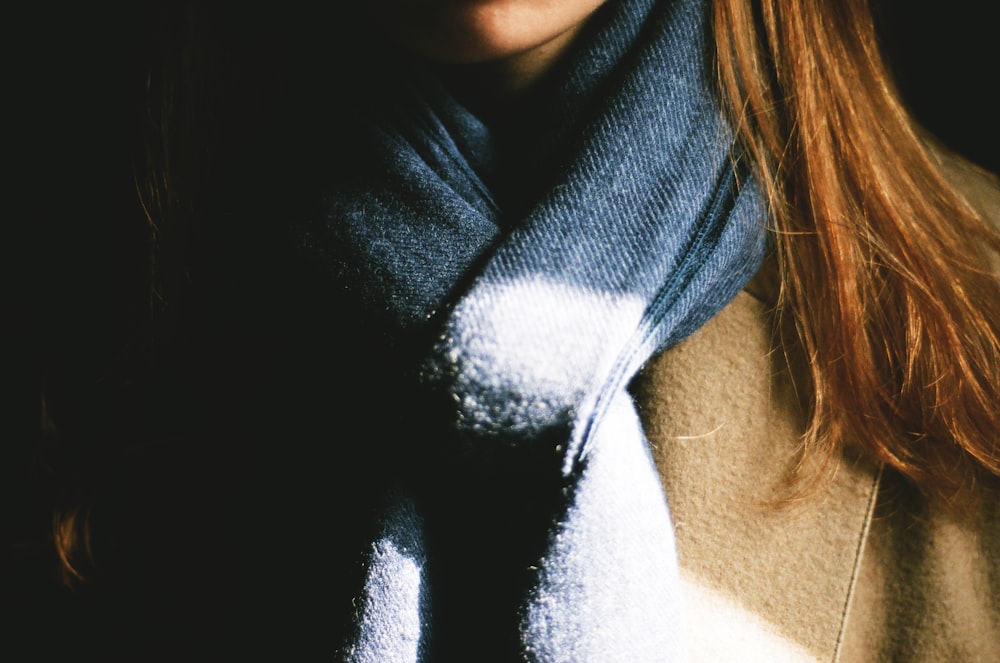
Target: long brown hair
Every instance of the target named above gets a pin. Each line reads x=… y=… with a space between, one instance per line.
x=889 y=285
x=169 y=155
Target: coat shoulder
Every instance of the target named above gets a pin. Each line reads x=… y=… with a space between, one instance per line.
x=868 y=568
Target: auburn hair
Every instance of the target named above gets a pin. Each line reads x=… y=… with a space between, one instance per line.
x=889 y=284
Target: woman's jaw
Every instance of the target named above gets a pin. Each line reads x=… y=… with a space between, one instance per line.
x=516 y=40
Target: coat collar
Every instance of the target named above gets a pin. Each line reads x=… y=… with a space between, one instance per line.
x=724 y=427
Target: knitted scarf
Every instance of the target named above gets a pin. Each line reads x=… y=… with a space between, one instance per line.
x=515 y=277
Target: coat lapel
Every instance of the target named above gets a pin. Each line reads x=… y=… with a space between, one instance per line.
x=724 y=426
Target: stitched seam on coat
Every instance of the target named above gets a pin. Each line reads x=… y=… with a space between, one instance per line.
x=858 y=557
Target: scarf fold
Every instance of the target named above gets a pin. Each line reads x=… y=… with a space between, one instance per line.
x=518 y=286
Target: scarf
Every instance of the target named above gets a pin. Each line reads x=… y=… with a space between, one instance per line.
x=507 y=282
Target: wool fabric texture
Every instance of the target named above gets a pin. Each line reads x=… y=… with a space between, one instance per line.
x=519 y=274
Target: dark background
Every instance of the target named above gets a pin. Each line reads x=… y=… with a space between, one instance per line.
x=946 y=57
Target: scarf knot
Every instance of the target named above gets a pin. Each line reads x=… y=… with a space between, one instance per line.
x=525 y=287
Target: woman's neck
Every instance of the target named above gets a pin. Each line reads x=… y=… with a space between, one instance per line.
x=517 y=73
x=493 y=89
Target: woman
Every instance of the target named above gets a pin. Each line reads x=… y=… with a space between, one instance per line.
x=550 y=239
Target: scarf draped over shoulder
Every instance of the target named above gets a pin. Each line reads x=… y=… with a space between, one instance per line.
x=508 y=281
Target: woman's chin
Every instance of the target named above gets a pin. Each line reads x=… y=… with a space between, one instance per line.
x=473 y=31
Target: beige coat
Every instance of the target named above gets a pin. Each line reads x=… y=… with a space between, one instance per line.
x=867 y=570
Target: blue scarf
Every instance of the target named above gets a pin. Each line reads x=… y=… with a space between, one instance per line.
x=516 y=277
